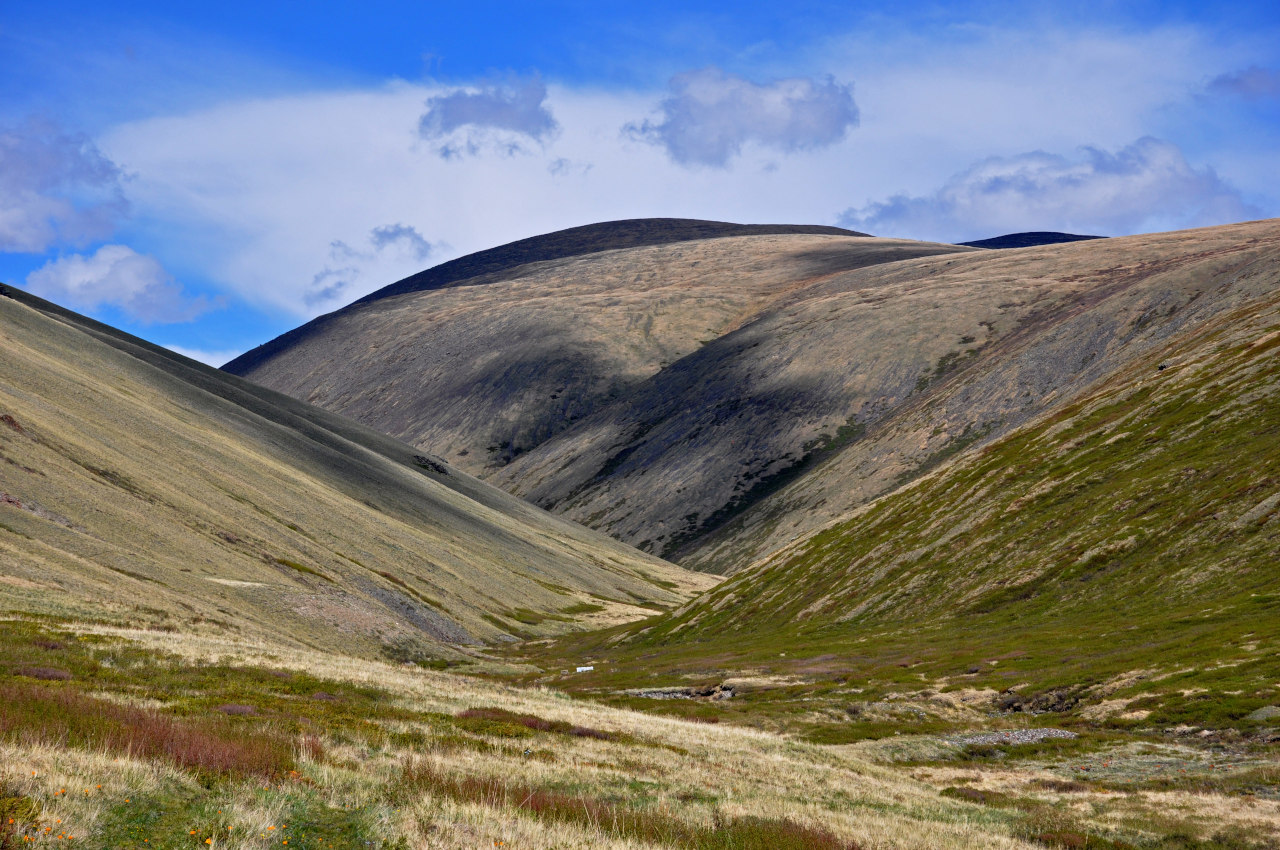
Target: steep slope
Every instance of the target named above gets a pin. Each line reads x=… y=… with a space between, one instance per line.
x=712 y=400
x=140 y=487
x=868 y=378
x=1113 y=561
x=487 y=368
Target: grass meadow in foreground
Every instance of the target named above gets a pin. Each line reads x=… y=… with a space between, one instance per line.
x=133 y=739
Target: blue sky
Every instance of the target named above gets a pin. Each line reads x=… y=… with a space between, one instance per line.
x=210 y=175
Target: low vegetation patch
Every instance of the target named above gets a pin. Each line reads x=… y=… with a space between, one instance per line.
x=302 y=568
x=743 y=833
x=39 y=714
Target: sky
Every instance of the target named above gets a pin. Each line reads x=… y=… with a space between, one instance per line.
x=208 y=176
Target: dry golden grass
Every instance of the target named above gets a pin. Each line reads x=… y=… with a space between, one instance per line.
x=138 y=491
x=674 y=770
x=690 y=771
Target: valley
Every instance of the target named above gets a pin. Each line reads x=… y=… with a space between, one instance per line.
x=996 y=533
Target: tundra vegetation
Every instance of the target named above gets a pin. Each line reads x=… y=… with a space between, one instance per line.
x=234 y=620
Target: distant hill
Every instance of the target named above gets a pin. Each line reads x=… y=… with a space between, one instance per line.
x=138 y=487
x=1028 y=240
x=1111 y=563
x=713 y=400
x=485 y=372
x=573 y=242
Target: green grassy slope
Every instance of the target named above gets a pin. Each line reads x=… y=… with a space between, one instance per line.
x=139 y=487
x=1114 y=562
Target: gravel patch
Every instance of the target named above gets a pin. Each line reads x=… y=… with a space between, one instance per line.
x=1013 y=736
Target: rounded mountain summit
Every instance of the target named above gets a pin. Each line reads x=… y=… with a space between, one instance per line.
x=709 y=392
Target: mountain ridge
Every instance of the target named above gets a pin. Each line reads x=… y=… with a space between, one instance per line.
x=712 y=399
x=561 y=244
x=140 y=487
x=1028 y=239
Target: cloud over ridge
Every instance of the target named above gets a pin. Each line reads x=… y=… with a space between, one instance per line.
x=55 y=188
x=1147 y=185
x=495 y=114
x=117 y=275
x=708 y=115
x=396 y=250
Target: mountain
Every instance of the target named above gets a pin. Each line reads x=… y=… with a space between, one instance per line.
x=713 y=400
x=1029 y=239
x=141 y=488
x=1111 y=563
x=488 y=369
x=572 y=242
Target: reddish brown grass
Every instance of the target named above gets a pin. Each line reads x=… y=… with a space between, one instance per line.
x=647 y=825
x=33 y=713
x=48 y=674
x=537 y=724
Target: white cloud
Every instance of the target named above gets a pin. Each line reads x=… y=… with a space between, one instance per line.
x=709 y=115
x=118 y=276
x=493 y=117
x=254 y=192
x=56 y=188
x=1148 y=185
x=1253 y=83
x=209 y=358
x=395 y=251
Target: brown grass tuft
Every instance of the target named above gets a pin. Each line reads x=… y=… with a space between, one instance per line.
x=238 y=710
x=645 y=825
x=35 y=713
x=48 y=674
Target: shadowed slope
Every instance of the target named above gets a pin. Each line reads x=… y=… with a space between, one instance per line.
x=868 y=378
x=487 y=370
x=139 y=486
x=573 y=242
x=1114 y=560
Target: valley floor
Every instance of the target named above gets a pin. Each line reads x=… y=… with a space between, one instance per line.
x=124 y=738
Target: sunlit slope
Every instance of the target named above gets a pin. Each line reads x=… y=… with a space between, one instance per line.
x=939 y=355
x=485 y=369
x=141 y=487
x=714 y=400
x=1121 y=554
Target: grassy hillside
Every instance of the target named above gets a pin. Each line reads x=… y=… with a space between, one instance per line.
x=138 y=487
x=489 y=368
x=960 y=351
x=713 y=400
x=1111 y=566
x=870 y=377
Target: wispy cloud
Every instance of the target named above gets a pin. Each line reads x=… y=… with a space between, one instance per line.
x=56 y=188
x=1252 y=83
x=254 y=192
x=1148 y=185
x=708 y=115
x=118 y=276
x=395 y=250
x=494 y=116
